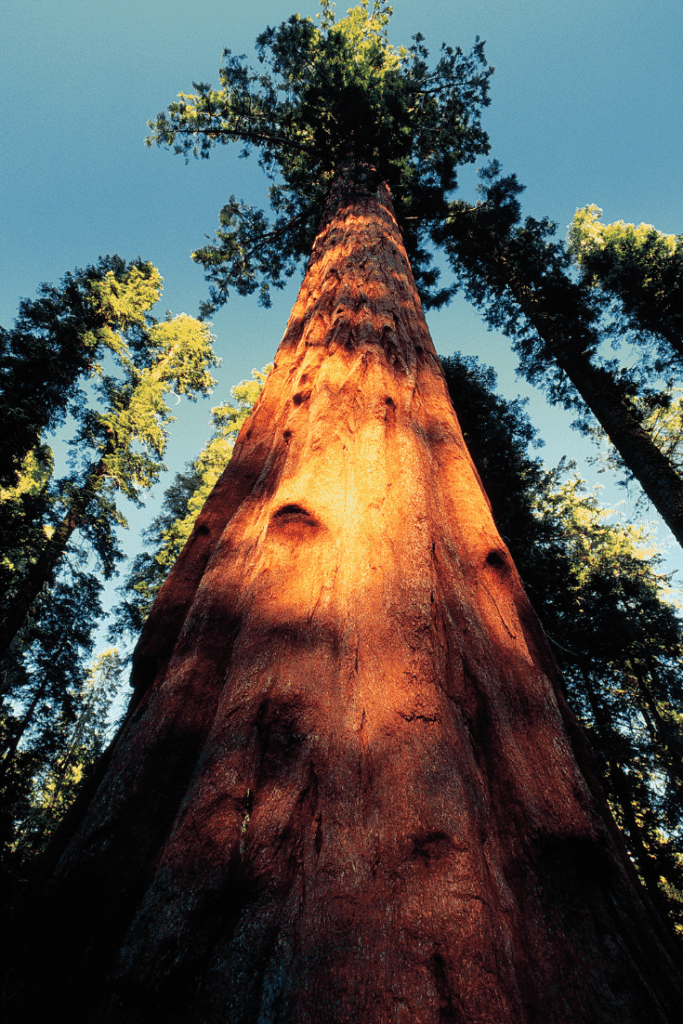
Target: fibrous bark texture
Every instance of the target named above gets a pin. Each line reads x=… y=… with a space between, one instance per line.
x=350 y=791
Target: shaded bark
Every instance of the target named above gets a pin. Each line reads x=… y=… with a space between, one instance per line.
x=349 y=788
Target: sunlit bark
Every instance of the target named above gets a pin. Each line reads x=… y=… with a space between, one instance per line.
x=350 y=790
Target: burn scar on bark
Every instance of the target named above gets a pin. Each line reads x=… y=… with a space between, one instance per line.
x=294 y=522
x=291 y=510
x=433 y=846
x=496 y=558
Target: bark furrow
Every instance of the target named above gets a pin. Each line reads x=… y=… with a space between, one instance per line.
x=350 y=791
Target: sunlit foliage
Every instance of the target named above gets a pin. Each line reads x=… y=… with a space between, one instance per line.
x=55 y=342
x=183 y=502
x=640 y=266
x=40 y=781
x=336 y=94
x=117 y=398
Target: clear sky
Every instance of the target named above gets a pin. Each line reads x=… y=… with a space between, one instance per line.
x=587 y=107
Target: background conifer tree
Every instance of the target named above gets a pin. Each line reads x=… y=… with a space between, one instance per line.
x=89 y=355
x=520 y=276
x=643 y=269
x=132 y=364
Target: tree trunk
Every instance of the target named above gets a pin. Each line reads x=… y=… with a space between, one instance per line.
x=599 y=390
x=597 y=387
x=42 y=570
x=350 y=790
x=11 y=741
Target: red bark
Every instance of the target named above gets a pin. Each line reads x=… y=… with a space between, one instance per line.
x=351 y=790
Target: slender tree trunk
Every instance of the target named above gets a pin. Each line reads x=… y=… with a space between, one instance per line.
x=42 y=570
x=599 y=390
x=13 y=738
x=350 y=790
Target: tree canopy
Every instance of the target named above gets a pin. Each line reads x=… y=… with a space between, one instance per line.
x=117 y=400
x=56 y=340
x=640 y=266
x=337 y=93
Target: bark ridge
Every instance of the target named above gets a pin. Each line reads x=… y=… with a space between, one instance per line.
x=349 y=788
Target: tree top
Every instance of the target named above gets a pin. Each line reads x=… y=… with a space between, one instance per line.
x=335 y=94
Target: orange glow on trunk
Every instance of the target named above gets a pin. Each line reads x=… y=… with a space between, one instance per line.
x=350 y=789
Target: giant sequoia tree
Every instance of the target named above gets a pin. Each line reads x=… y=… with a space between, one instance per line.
x=349 y=787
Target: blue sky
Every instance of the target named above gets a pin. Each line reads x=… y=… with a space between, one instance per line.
x=587 y=106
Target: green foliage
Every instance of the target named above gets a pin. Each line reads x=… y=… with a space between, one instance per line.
x=642 y=268
x=128 y=431
x=183 y=501
x=662 y=417
x=337 y=95
x=125 y=366
x=55 y=342
x=529 y=256
x=133 y=364
x=42 y=779
x=605 y=606
x=23 y=510
x=661 y=414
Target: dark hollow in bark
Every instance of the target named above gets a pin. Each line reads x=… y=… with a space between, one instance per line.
x=350 y=790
